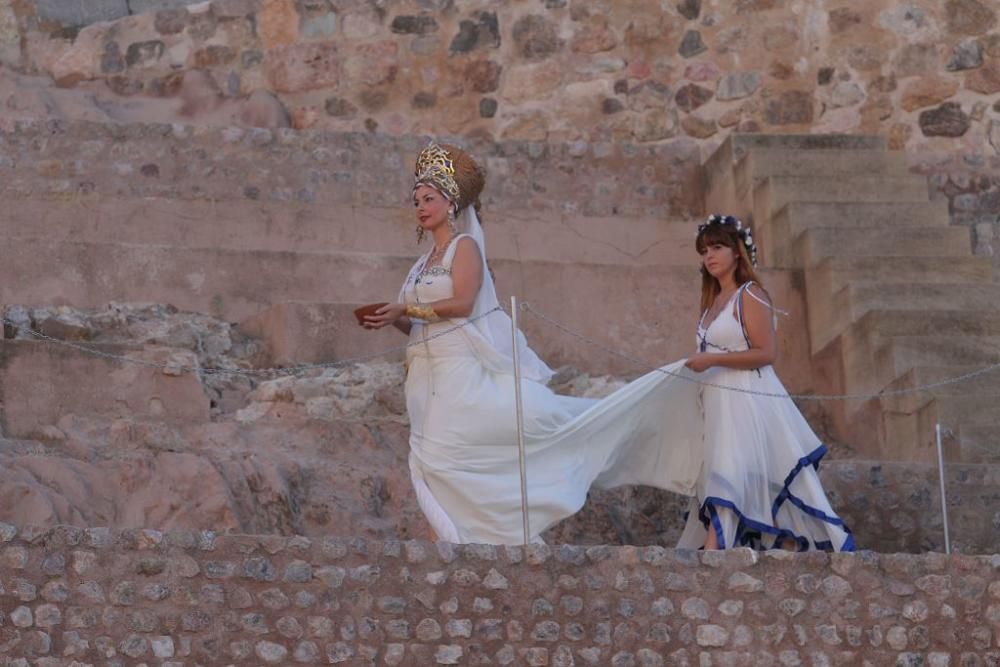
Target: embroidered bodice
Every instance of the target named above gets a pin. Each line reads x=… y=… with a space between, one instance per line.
x=432 y=283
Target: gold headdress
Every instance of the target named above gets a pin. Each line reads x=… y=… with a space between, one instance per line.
x=452 y=172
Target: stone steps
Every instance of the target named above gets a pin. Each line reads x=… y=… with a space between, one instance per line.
x=280 y=227
x=723 y=194
x=971 y=297
x=906 y=309
x=865 y=360
x=797 y=216
x=770 y=195
x=890 y=285
x=779 y=235
x=884 y=323
x=782 y=190
x=982 y=391
x=966 y=435
x=818 y=243
x=760 y=163
x=901 y=353
x=894 y=350
x=832 y=274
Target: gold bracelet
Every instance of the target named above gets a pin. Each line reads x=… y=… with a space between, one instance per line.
x=425 y=313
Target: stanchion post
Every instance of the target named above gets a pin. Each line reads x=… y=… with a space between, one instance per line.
x=520 y=419
x=944 y=500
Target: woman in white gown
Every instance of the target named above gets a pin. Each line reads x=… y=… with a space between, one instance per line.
x=758 y=485
x=460 y=392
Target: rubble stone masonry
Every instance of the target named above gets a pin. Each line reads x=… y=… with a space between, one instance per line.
x=94 y=596
x=580 y=75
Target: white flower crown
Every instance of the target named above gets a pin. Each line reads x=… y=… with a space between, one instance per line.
x=744 y=232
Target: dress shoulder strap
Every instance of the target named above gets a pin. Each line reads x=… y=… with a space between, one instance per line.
x=739 y=309
x=449 y=254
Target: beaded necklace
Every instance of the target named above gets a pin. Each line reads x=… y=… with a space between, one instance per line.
x=437 y=269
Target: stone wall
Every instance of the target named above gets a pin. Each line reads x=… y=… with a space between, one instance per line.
x=78 y=596
x=562 y=71
x=570 y=74
x=84 y=161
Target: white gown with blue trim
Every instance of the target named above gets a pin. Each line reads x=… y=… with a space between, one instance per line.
x=758 y=485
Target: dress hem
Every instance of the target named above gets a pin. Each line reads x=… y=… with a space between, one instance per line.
x=708 y=514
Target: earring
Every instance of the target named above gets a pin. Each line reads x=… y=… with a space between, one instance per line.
x=420 y=234
x=451 y=221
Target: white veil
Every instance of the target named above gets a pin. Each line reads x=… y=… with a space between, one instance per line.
x=491 y=334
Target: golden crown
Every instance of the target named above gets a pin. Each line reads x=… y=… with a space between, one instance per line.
x=436 y=168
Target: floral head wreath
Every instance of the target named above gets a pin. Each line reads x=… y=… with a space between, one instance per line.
x=742 y=231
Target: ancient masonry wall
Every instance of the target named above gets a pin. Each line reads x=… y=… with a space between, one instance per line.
x=80 y=161
x=81 y=596
x=925 y=74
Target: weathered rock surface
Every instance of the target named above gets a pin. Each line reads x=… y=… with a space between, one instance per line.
x=321 y=452
x=324 y=451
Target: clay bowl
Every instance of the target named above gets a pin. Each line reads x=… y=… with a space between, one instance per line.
x=366 y=310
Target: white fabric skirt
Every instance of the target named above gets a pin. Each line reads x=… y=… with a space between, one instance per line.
x=464 y=447
x=758 y=486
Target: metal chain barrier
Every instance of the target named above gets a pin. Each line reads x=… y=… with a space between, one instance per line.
x=804 y=397
x=526 y=307
x=249 y=372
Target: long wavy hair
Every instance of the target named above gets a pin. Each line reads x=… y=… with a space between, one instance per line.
x=728 y=236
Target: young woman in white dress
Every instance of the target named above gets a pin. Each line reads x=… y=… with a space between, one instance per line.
x=758 y=486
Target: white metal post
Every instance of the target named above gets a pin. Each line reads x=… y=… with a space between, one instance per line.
x=520 y=419
x=944 y=501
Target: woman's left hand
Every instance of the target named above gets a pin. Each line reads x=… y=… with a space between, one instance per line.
x=385 y=316
x=700 y=362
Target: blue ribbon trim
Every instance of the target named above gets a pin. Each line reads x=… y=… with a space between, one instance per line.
x=749 y=531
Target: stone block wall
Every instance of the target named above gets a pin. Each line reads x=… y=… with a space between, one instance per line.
x=85 y=596
x=572 y=74
x=82 y=161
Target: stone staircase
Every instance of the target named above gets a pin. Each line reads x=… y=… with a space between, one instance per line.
x=896 y=299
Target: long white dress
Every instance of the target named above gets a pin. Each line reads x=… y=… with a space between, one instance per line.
x=463 y=432
x=740 y=457
x=758 y=486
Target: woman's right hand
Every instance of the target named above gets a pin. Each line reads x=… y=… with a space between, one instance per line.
x=701 y=362
x=384 y=316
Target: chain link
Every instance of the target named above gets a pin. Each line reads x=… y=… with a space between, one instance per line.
x=248 y=372
x=526 y=307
